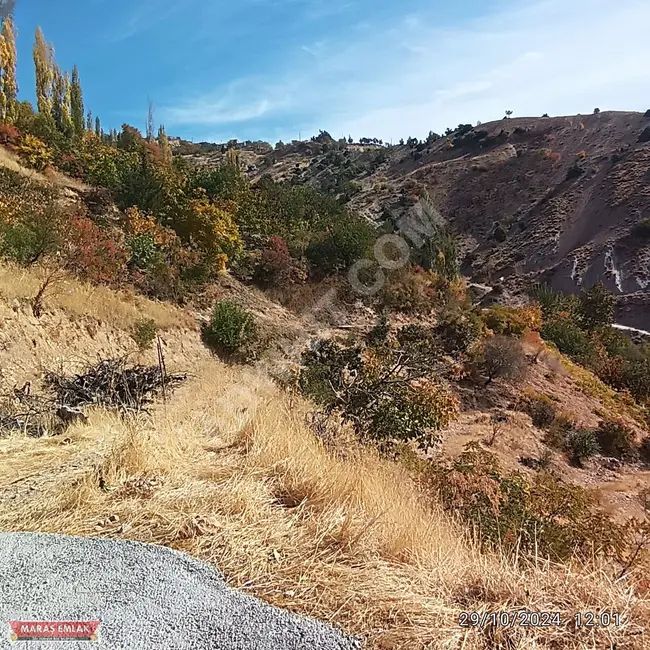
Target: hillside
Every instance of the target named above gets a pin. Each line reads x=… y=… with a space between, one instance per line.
x=561 y=200
x=228 y=471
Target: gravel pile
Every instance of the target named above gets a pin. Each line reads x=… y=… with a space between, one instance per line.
x=145 y=597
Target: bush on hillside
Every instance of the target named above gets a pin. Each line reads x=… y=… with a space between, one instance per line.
x=546 y=517
x=459 y=331
x=500 y=357
x=596 y=307
x=382 y=387
x=616 y=439
x=513 y=321
x=567 y=336
x=582 y=445
x=344 y=243
x=34 y=152
x=541 y=409
x=276 y=267
x=144 y=333
x=231 y=332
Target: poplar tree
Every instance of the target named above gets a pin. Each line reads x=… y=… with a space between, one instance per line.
x=163 y=143
x=61 y=101
x=150 y=122
x=98 y=127
x=89 y=121
x=77 y=104
x=9 y=82
x=44 y=65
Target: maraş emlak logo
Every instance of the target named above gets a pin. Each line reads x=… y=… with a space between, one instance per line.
x=54 y=630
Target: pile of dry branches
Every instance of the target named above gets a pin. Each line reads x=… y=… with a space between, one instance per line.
x=112 y=383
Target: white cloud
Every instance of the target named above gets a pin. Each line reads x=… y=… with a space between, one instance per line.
x=555 y=56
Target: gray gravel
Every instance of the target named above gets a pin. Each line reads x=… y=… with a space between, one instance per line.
x=146 y=597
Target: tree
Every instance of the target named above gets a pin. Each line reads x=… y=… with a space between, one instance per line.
x=163 y=143
x=61 y=101
x=98 y=127
x=508 y=114
x=150 y=122
x=89 y=121
x=597 y=307
x=596 y=111
x=76 y=103
x=44 y=67
x=9 y=83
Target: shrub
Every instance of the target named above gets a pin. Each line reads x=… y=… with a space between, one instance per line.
x=344 y=243
x=616 y=439
x=276 y=267
x=582 y=445
x=501 y=357
x=144 y=333
x=381 y=388
x=457 y=332
x=567 y=336
x=513 y=321
x=9 y=136
x=414 y=291
x=541 y=409
x=231 y=332
x=545 y=517
x=559 y=431
x=34 y=152
x=575 y=171
x=596 y=307
x=93 y=254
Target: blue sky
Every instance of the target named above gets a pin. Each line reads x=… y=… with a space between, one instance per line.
x=274 y=69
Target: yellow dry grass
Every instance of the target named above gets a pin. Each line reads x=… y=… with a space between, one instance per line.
x=119 y=309
x=54 y=177
x=229 y=472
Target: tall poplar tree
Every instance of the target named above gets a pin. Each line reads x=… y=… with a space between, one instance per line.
x=150 y=122
x=44 y=65
x=163 y=143
x=98 y=127
x=77 y=104
x=9 y=81
x=89 y=121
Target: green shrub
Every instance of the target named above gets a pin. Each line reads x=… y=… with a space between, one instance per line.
x=541 y=409
x=344 y=243
x=597 y=307
x=545 y=517
x=567 y=336
x=380 y=387
x=144 y=333
x=458 y=331
x=582 y=445
x=616 y=439
x=231 y=332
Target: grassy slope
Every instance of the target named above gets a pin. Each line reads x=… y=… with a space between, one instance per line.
x=228 y=472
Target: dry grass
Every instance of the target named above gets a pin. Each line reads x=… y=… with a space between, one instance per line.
x=229 y=473
x=119 y=309
x=54 y=177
